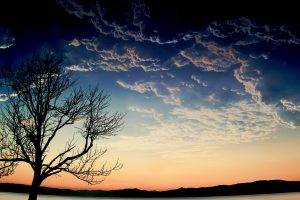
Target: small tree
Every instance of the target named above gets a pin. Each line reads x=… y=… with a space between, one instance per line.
x=46 y=100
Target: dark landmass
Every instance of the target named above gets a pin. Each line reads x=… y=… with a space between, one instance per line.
x=257 y=187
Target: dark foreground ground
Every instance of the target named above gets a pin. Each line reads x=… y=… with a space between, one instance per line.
x=257 y=187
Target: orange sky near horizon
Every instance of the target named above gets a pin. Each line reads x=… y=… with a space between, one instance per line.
x=276 y=158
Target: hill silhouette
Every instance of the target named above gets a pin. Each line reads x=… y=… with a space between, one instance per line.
x=257 y=187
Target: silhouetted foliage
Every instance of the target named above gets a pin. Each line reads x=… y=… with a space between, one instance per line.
x=44 y=99
x=257 y=187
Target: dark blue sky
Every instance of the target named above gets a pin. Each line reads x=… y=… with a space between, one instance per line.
x=171 y=50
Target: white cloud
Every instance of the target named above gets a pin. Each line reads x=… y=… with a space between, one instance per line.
x=6 y=40
x=250 y=78
x=3 y=97
x=212 y=98
x=242 y=121
x=140 y=87
x=173 y=96
x=170 y=75
x=207 y=56
x=250 y=82
x=75 y=42
x=169 y=94
x=79 y=68
x=263 y=55
x=189 y=85
x=151 y=112
x=111 y=60
x=252 y=33
x=198 y=80
x=115 y=60
x=290 y=106
x=202 y=129
x=134 y=29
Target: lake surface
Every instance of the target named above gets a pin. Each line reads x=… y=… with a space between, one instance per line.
x=284 y=196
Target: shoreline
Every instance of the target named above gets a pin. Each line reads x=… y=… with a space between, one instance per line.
x=251 y=188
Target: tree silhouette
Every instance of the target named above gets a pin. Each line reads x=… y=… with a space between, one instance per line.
x=44 y=99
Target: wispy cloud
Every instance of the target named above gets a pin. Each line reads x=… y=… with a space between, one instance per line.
x=255 y=32
x=150 y=112
x=79 y=68
x=242 y=121
x=140 y=87
x=198 y=80
x=250 y=78
x=5 y=97
x=290 y=106
x=207 y=56
x=169 y=94
x=114 y=59
x=133 y=30
x=6 y=39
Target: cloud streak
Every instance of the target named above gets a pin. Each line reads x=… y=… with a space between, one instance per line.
x=198 y=80
x=244 y=26
x=133 y=30
x=6 y=39
x=114 y=59
x=169 y=94
x=208 y=56
x=150 y=112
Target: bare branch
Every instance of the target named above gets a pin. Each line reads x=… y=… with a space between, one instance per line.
x=46 y=101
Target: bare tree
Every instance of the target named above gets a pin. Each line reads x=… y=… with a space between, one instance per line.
x=44 y=99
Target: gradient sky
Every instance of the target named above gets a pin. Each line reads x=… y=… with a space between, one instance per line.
x=211 y=95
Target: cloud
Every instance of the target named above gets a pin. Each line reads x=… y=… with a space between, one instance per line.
x=198 y=80
x=203 y=128
x=79 y=68
x=188 y=85
x=111 y=60
x=262 y=55
x=180 y=61
x=212 y=98
x=169 y=94
x=200 y=129
x=289 y=113
x=290 y=106
x=5 y=97
x=172 y=97
x=134 y=29
x=242 y=121
x=6 y=40
x=150 y=112
x=117 y=60
x=170 y=75
x=250 y=78
x=138 y=86
x=75 y=8
x=247 y=32
x=207 y=56
x=215 y=49
x=75 y=42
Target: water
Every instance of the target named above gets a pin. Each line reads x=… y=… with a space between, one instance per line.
x=285 y=196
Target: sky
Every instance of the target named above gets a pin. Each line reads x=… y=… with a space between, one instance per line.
x=210 y=91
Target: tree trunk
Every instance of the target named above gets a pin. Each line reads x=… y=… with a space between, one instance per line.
x=35 y=186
